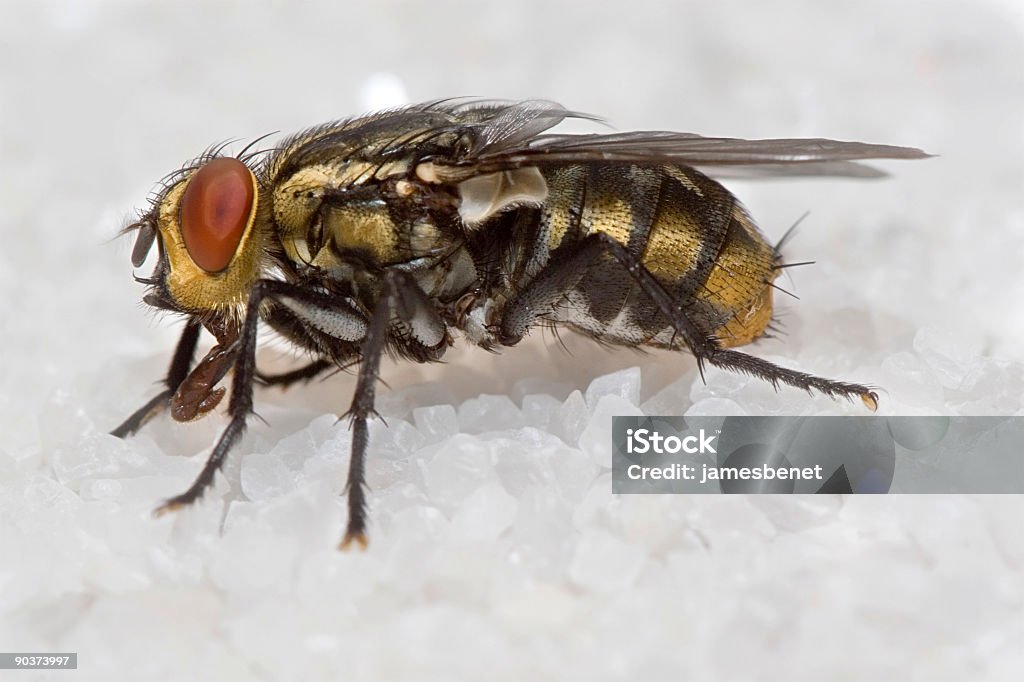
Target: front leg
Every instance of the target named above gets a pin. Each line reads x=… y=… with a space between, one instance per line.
x=181 y=362
x=327 y=313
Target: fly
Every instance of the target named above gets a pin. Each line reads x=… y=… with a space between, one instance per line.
x=392 y=232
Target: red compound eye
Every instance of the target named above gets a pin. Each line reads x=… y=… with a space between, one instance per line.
x=215 y=210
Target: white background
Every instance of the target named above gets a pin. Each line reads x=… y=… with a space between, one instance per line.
x=497 y=550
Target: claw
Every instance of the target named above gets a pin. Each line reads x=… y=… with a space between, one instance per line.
x=358 y=539
x=167 y=507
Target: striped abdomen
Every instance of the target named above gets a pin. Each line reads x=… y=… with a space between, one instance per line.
x=687 y=230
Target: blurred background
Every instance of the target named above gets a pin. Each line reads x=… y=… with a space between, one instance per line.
x=917 y=288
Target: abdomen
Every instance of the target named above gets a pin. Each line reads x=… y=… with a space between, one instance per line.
x=686 y=229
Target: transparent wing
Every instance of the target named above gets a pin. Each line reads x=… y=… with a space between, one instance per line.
x=833 y=169
x=510 y=139
x=497 y=126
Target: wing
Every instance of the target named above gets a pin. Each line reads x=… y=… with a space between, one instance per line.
x=505 y=136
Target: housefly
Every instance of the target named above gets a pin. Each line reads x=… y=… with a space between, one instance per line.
x=393 y=231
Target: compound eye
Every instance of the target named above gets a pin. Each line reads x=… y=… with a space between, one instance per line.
x=215 y=208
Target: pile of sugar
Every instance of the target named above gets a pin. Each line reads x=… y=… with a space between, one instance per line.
x=495 y=537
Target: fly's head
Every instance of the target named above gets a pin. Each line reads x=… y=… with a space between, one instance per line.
x=210 y=223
